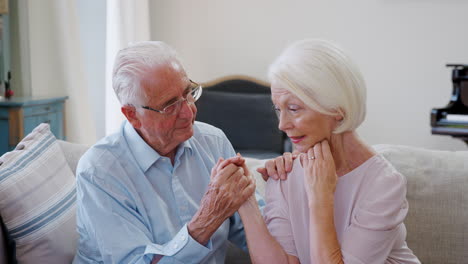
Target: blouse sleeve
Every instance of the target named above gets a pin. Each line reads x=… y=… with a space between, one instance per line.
x=276 y=215
x=377 y=220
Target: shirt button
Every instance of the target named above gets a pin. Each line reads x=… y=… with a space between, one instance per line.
x=175 y=246
x=183 y=237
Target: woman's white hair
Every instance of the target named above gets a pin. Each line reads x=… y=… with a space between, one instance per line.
x=131 y=64
x=324 y=78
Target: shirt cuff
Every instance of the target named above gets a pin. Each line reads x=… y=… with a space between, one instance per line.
x=182 y=247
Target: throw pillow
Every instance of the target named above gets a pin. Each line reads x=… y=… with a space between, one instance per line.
x=37 y=199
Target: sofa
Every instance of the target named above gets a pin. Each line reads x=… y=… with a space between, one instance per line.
x=32 y=182
x=254 y=132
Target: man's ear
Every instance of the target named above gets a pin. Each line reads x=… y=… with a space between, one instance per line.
x=131 y=115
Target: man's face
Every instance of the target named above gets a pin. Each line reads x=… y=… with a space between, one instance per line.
x=164 y=133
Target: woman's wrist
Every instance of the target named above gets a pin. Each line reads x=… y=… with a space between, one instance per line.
x=321 y=201
x=250 y=204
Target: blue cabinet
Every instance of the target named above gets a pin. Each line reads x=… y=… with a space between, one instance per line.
x=20 y=115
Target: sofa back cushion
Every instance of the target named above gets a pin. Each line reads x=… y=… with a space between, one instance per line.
x=37 y=199
x=437 y=221
x=241 y=106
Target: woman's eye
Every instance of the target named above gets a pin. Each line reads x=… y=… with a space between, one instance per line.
x=277 y=111
x=293 y=108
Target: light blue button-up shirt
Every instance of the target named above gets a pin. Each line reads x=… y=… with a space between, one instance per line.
x=133 y=203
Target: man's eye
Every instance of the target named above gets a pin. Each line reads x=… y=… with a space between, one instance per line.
x=170 y=108
x=189 y=95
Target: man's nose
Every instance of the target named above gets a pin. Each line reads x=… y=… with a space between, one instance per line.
x=186 y=109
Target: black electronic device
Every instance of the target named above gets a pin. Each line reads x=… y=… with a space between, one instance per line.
x=453 y=119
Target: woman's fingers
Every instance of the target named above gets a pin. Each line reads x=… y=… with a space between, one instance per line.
x=310 y=157
x=271 y=169
x=279 y=163
x=318 y=151
x=326 y=151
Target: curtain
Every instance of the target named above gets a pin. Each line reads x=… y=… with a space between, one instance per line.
x=63 y=66
x=70 y=48
x=127 y=21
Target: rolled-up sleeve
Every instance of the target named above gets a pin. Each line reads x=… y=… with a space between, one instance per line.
x=111 y=229
x=182 y=248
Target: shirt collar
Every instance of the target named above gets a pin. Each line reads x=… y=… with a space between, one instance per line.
x=144 y=154
x=182 y=147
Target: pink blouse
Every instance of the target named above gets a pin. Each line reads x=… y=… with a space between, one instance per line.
x=370 y=206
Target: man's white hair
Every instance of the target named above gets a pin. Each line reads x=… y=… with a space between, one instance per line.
x=324 y=78
x=131 y=64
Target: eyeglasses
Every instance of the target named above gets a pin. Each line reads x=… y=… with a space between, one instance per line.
x=193 y=94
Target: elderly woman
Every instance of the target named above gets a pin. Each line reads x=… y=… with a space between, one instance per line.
x=342 y=202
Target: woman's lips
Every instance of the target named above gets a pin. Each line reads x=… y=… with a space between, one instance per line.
x=296 y=140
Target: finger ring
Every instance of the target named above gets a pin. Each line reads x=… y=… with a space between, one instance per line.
x=311 y=158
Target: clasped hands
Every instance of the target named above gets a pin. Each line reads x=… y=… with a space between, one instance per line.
x=231 y=184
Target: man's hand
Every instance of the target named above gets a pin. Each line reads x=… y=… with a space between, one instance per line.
x=228 y=189
x=278 y=167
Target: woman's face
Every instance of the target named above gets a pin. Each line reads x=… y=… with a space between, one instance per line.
x=304 y=126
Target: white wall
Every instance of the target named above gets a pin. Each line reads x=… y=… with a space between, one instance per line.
x=401 y=47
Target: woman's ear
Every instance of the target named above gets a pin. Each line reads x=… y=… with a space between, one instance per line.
x=131 y=114
x=338 y=117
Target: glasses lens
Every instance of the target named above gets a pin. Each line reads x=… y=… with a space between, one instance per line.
x=195 y=94
x=172 y=108
x=192 y=96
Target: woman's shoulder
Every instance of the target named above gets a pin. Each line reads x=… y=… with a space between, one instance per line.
x=295 y=177
x=282 y=189
x=382 y=204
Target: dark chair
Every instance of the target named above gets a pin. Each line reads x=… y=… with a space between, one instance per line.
x=241 y=107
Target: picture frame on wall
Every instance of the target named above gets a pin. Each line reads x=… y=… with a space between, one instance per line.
x=3 y=6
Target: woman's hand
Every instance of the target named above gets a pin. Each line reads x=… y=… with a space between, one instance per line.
x=279 y=167
x=320 y=174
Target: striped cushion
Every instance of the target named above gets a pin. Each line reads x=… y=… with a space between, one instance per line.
x=37 y=199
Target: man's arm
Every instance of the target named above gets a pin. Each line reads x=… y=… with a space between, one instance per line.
x=112 y=231
x=229 y=188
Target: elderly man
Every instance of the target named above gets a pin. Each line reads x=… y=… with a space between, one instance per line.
x=164 y=188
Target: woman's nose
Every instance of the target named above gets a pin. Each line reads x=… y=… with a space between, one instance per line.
x=284 y=122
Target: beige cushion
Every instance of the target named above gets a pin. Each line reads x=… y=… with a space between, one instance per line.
x=37 y=199
x=253 y=164
x=437 y=220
